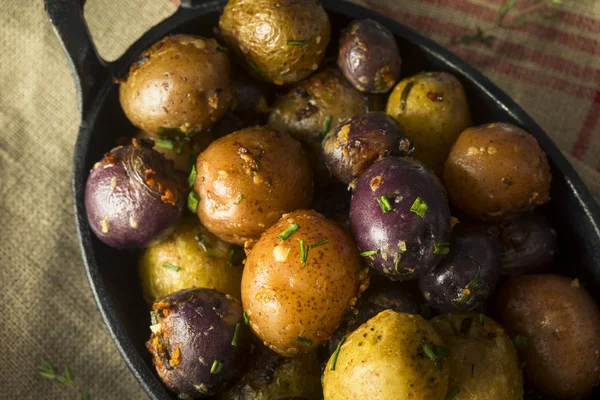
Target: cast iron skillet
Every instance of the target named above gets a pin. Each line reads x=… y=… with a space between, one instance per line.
x=113 y=275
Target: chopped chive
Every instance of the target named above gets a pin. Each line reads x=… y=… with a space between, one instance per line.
x=428 y=351
x=369 y=253
x=239 y=198
x=453 y=327
x=222 y=49
x=297 y=42
x=230 y=256
x=472 y=288
x=255 y=67
x=520 y=342
x=192 y=177
x=435 y=354
x=170 y=266
x=452 y=392
x=288 y=231
x=236 y=332
x=180 y=149
x=321 y=243
x=384 y=203
x=304 y=341
x=164 y=143
x=442 y=248
x=482 y=319
x=303 y=251
x=336 y=353
x=216 y=367
x=419 y=207
x=193 y=199
x=404 y=95
x=246 y=318
x=326 y=125
x=166 y=133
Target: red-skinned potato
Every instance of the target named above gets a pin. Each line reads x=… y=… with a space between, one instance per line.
x=244 y=187
x=299 y=280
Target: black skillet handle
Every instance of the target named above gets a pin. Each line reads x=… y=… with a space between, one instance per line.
x=89 y=71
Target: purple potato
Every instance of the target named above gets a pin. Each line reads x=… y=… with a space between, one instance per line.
x=369 y=56
x=199 y=341
x=528 y=245
x=356 y=143
x=378 y=297
x=399 y=216
x=134 y=196
x=466 y=277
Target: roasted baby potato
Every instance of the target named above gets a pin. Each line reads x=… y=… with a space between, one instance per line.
x=556 y=325
x=356 y=143
x=190 y=257
x=496 y=172
x=468 y=275
x=482 y=360
x=134 y=196
x=399 y=216
x=281 y=41
x=243 y=185
x=432 y=109
x=299 y=279
x=181 y=150
x=179 y=86
x=369 y=56
x=198 y=341
x=393 y=356
x=274 y=376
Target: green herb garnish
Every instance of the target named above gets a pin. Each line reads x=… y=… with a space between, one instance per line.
x=246 y=318
x=255 y=67
x=326 y=125
x=230 y=255
x=482 y=319
x=452 y=392
x=369 y=253
x=222 y=49
x=336 y=353
x=170 y=266
x=166 y=133
x=442 y=248
x=236 y=332
x=216 y=367
x=435 y=354
x=179 y=149
x=321 y=243
x=192 y=177
x=472 y=288
x=164 y=143
x=193 y=199
x=304 y=341
x=401 y=249
x=404 y=95
x=48 y=371
x=520 y=342
x=288 y=231
x=297 y=42
x=419 y=207
x=239 y=198
x=453 y=327
x=303 y=251
x=384 y=203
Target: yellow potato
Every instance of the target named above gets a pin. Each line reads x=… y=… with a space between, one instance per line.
x=386 y=359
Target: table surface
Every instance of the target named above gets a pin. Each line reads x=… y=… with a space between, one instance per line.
x=551 y=68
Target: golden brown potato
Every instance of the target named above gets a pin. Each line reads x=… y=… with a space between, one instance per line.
x=182 y=150
x=296 y=290
x=180 y=85
x=190 y=257
x=482 y=359
x=393 y=356
x=281 y=41
x=561 y=324
x=496 y=172
x=433 y=110
x=275 y=377
x=248 y=179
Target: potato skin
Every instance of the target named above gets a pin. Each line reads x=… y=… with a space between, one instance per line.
x=482 y=359
x=202 y=260
x=434 y=113
x=356 y=143
x=496 y=172
x=181 y=82
x=248 y=163
x=369 y=56
x=134 y=196
x=562 y=324
x=274 y=376
x=286 y=300
x=383 y=359
x=259 y=32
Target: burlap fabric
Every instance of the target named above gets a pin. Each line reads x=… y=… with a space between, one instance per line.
x=551 y=68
